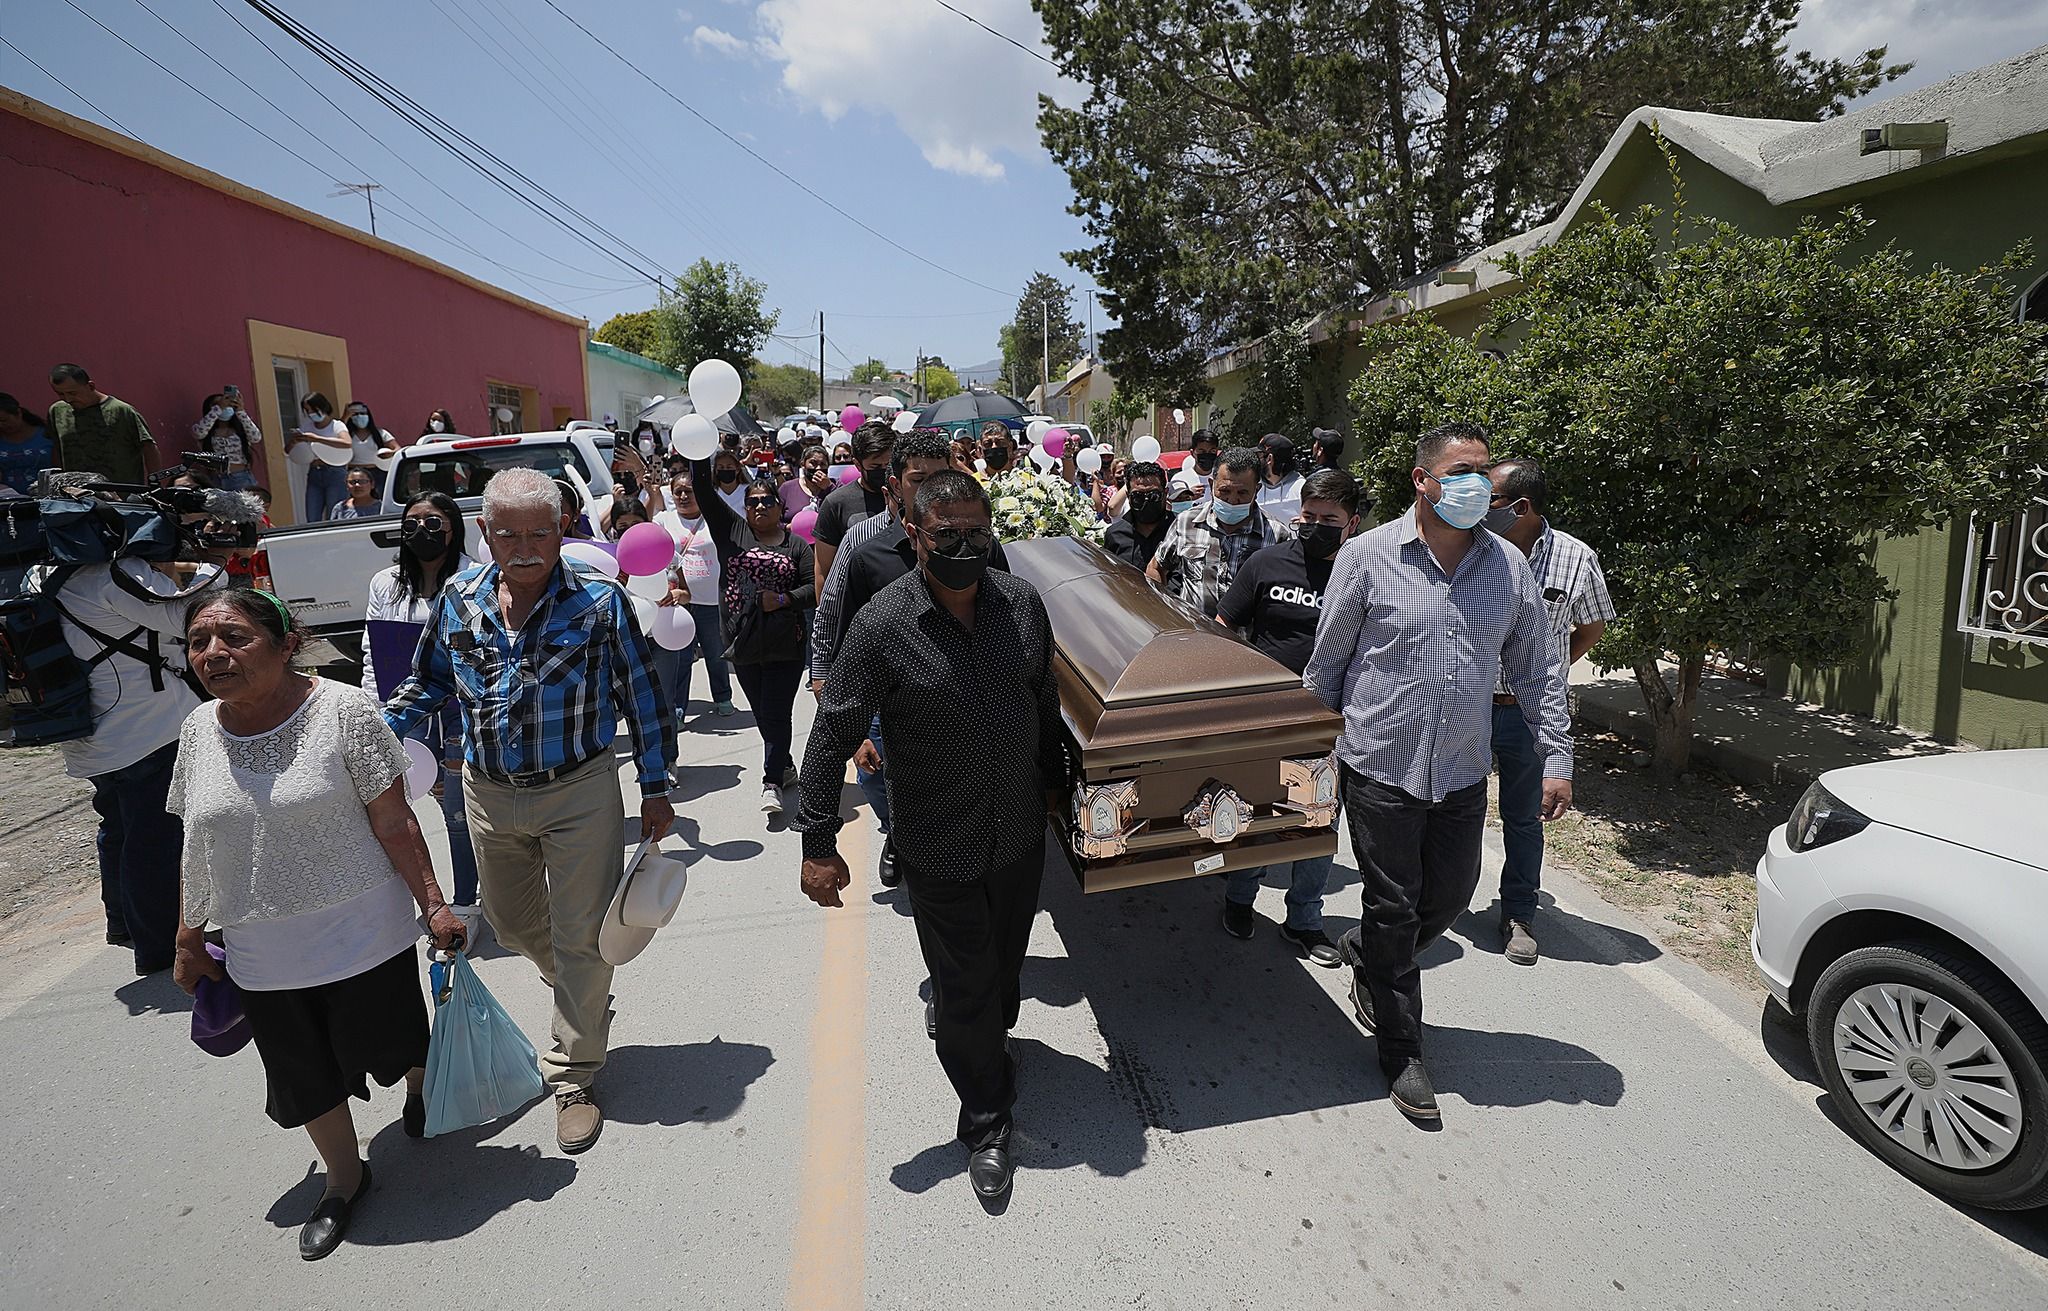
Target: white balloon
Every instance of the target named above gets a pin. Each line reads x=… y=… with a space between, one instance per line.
x=674 y=627
x=1145 y=450
x=905 y=421
x=1180 y=416
x=695 y=437
x=504 y=415
x=1036 y=431
x=333 y=454
x=643 y=613
x=651 y=586
x=596 y=557
x=421 y=769
x=1043 y=458
x=785 y=435
x=714 y=387
x=1089 y=460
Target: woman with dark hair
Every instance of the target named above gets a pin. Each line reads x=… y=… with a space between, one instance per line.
x=25 y=446
x=623 y=515
x=808 y=482
x=728 y=481
x=430 y=541
x=300 y=847
x=439 y=427
x=228 y=430
x=325 y=483
x=769 y=583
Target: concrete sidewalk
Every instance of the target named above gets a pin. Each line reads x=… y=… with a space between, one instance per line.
x=1747 y=732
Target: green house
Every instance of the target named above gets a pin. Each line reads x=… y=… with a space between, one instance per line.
x=1957 y=173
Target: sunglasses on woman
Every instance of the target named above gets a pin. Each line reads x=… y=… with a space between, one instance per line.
x=760 y=502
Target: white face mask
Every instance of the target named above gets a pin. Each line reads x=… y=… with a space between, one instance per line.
x=438 y=426
x=317 y=416
x=228 y=414
x=359 y=420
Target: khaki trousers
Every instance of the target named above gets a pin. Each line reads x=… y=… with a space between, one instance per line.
x=548 y=859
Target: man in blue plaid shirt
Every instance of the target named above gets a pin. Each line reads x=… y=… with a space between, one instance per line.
x=543 y=660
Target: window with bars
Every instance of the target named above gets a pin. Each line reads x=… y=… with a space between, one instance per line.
x=2005 y=593
x=503 y=400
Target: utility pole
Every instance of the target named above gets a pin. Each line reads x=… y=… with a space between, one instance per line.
x=821 y=361
x=367 y=190
x=1045 y=350
x=920 y=375
x=1091 y=325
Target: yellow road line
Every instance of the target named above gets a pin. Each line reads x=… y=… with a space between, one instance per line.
x=828 y=1258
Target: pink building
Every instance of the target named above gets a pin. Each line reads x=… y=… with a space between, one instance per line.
x=167 y=281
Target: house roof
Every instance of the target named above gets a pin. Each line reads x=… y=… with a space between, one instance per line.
x=1993 y=113
x=624 y=356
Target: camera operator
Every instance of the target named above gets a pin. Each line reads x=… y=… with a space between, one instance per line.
x=126 y=621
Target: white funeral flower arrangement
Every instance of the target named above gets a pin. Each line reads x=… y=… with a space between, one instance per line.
x=1027 y=504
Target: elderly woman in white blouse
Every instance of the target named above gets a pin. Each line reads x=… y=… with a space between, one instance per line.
x=301 y=847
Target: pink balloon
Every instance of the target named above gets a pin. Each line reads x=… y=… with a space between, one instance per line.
x=805 y=522
x=646 y=548
x=852 y=417
x=846 y=473
x=1056 y=442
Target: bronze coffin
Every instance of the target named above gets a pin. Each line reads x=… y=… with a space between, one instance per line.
x=1198 y=753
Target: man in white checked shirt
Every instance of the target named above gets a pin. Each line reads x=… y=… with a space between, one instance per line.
x=1421 y=619
x=1575 y=596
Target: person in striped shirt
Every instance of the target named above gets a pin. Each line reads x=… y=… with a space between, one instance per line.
x=544 y=661
x=1576 y=603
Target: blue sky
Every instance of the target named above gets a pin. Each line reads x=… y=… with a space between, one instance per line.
x=899 y=110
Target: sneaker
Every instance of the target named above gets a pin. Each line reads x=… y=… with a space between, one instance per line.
x=577 y=1120
x=885 y=869
x=1313 y=944
x=1361 y=1004
x=1239 y=920
x=771 y=799
x=1409 y=1089
x=722 y=709
x=1520 y=944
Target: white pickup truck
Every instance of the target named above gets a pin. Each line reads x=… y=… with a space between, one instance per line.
x=323 y=570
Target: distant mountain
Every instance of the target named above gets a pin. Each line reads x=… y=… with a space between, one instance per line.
x=982 y=373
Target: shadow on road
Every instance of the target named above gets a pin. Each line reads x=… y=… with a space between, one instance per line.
x=154 y=994
x=693 y=848
x=1565 y=936
x=405 y=1206
x=1784 y=1037
x=688 y=1083
x=694 y=782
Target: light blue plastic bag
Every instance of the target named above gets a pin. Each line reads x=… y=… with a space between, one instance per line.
x=479 y=1065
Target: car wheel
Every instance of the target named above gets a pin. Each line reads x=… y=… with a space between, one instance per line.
x=1940 y=1067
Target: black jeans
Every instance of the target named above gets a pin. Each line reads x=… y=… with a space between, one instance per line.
x=140 y=845
x=771 y=692
x=973 y=933
x=1418 y=863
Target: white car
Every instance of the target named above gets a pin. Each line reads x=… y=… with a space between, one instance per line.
x=1903 y=911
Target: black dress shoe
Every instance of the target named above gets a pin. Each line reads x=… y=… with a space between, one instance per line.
x=414 y=1119
x=991 y=1168
x=119 y=938
x=886 y=869
x=1410 y=1089
x=1361 y=1004
x=322 y=1233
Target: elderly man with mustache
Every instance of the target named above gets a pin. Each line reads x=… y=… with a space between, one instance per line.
x=543 y=661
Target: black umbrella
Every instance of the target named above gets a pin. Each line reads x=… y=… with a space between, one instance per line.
x=664 y=413
x=969 y=409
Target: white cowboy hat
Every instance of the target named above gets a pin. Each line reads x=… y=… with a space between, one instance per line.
x=646 y=899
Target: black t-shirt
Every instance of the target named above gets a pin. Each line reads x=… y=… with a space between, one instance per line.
x=1126 y=543
x=842 y=508
x=1276 y=599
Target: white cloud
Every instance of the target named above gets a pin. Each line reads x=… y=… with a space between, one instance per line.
x=965 y=97
x=1939 y=37
x=724 y=43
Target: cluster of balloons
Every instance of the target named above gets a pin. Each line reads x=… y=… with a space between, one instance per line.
x=642 y=557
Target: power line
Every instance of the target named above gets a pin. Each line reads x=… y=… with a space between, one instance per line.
x=69 y=89
x=1039 y=55
x=763 y=159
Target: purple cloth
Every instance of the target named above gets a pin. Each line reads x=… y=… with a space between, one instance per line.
x=219 y=1026
x=794 y=498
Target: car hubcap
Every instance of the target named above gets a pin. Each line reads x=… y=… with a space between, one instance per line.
x=1928 y=1076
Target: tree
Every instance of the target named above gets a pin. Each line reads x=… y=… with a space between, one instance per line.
x=638 y=331
x=778 y=389
x=940 y=381
x=1244 y=165
x=1733 y=422
x=868 y=370
x=715 y=312
x=1024 y=339
x=1113 y=419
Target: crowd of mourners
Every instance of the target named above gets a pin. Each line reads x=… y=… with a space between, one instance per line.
x=255 y=823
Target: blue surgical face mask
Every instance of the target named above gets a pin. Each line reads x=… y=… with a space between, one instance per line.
x=1462 y=499
x=1228 y=513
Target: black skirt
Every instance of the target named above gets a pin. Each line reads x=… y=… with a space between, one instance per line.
x=318 y=1044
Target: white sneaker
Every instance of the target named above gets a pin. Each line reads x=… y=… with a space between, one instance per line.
x=771 y=799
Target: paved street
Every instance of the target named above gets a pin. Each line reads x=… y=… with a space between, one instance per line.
x=1202 y=1123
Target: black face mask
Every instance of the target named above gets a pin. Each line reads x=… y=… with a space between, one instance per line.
x=996 y=457
x=1320 y=540
x=727 y=477
x=956 y=573
x=1147 y=507
x=872 y=479
x=421 y=542
x=1205 y=461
